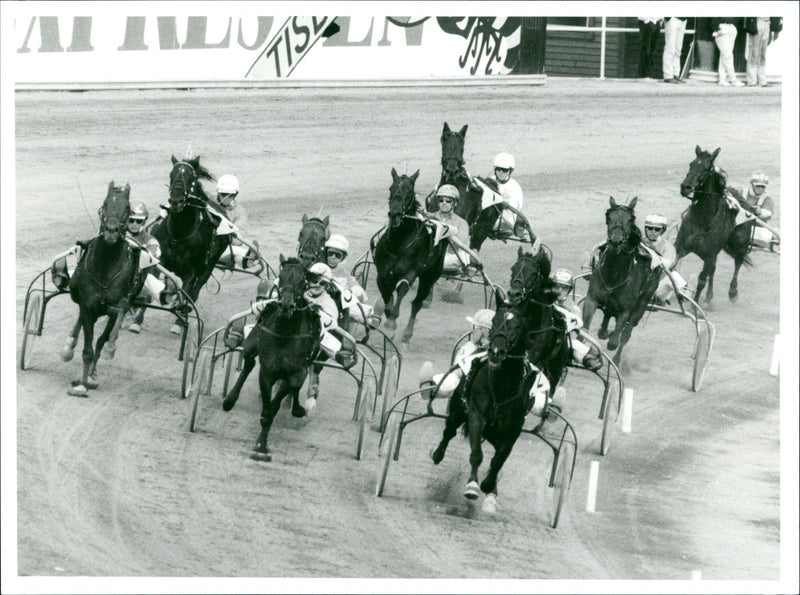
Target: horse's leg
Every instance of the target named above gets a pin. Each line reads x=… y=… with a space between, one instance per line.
x=476 y=422
x=292 y=386
x=501 y=452
x=313 y=383
x=602 y=332
x=589 y=308
x=619 y=328
x=456 y=415
x=426 y=282
x=733 y=291
x=706 y=277
x=249 y=354
x=113 y=323
x=68 y=352
x=393 y=306
x=387 y=294
x=79 y=387
x=111 y=344
x=269 y=409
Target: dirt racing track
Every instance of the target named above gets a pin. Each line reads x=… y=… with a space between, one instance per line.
x=117 y=485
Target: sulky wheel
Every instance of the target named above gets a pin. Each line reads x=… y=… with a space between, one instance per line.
x=562 y=479
x=389 y=389
x=189 y=356
x=700 y=359
x=609 y=418
x=201 y=385
x=30 y=330
x=233 y=361
x=387 y=449
x=367 y=396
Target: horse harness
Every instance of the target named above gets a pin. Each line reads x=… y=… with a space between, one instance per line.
x=105 y=287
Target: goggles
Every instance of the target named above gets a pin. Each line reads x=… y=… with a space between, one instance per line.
x=445 y=199
x=335 y=253
x=136 y=220
x=315 y=279
x=658 y=228
x=502 y=169
x=759 y=185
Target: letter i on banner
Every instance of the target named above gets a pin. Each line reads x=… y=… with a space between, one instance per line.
x=291 y=43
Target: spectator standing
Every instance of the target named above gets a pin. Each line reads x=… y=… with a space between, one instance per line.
x=758 y=37
x=725 y=36
x=674 y=29
x=649 y=30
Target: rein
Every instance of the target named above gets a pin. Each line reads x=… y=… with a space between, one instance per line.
x=627 y=274
x=103 y=286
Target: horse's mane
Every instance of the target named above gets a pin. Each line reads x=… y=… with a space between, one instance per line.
x=635 y=237
x=201 y=172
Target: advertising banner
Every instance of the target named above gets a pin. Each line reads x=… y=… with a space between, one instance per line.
x=85 y=42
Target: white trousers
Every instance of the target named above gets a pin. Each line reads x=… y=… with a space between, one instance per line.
x=665 y=290
x=153 y=287
x=673 y=43
x=239 y=252
x=761 y=236
x=757 y=55
x=725 y=43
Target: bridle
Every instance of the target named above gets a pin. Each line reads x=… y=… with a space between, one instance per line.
x=181 y=179
x=518 y=296
x=626 y=232
x=452 y=165
x=407 y=204
x=302 y=247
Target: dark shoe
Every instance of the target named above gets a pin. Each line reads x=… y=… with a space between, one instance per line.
x=592 y=362
x=672 y=81
x=679 y=80
x=347 y=359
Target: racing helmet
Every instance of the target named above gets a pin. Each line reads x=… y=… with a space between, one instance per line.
x=759 y=179
x=448 y=191
x=138 y=216
x=228 y=184
x=563 y=277
x=655 y=221
x=338 y=242
x=482 y=318
x=504 y=160
x=319 y=273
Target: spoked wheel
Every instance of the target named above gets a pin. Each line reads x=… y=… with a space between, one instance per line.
x=201 y=386
x=189 y=356
x=389 y=386
x=387 y=448
x=700 y=358
x=562 y=480
x=367 y=396
x=233 y=361
x=31 y=327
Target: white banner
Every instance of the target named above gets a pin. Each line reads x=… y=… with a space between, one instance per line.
x=107 y=42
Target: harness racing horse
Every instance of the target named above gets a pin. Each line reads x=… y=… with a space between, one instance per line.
x=526 y=340
x=709 y=225
x=623 y=281
x=102 y=285
x=190 y=246
x=404 y=253
x=469 y=206
x=285 y=339
x=312 y=238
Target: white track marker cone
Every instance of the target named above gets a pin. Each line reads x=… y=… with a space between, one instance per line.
x=591 y=497
x=696 y=575
x=775 y=366
x=627 y=410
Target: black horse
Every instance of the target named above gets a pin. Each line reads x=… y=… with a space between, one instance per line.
x=527 y=339
x=311 y=240
x=404 y=253
x=102 y=284
x=709 y=224
x=285 y=339
x=470 y=202
x=190 y=247
x=623 y=281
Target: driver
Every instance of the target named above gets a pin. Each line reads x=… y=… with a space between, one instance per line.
x=511 y=192
x=238 y=254
x=582 y=353
x=655 y=224
x=755 y=194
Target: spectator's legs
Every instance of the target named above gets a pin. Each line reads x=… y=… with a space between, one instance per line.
x=763 y=42
x=725 y=41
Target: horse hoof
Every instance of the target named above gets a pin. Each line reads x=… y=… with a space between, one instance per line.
x=472 y=491
x=109 y=350
x=228 y=404
x=733 y=297
x=261 y=456
x=135 y=328
x=176 y=329
x=78 y=390
x=490 y=504
x=308 y=406
x=299 y=411
x=91 y=382
x=67 y=353
x=436 y=456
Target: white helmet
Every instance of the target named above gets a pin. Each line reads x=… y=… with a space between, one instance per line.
x=505 y=160
x=448 y=190
x=139 y=210
x=759 y=179
x=655 y=220
x=338 y=242
x=562 y=277
x=228 y=184
x=321 y=272
x=482 y=318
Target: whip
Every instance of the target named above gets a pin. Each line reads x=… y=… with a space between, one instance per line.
x=85 y=208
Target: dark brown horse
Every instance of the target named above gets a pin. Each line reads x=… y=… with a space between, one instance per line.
x=190 y=247
x=311 y=240
x=709 y=224
x=404 y=253
x=102 y=284
x=285 y=339
x=623 y=281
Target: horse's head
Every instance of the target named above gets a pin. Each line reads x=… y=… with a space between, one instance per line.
x=507 y=336
x=115 y=212
x=699 y=171
x=291 y=282
x=529 y=275
x=402 y=200
x=312 y=238
x=621 y=224
x=452 y=153
x=184 y=182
